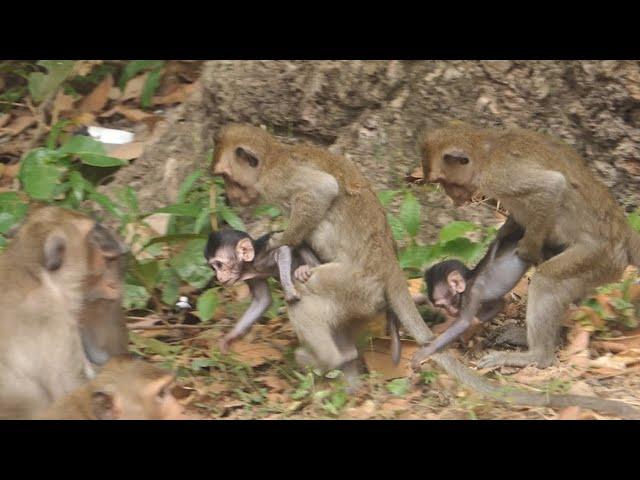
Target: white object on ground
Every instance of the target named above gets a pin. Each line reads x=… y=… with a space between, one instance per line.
x=183 y=302
x=110 y=135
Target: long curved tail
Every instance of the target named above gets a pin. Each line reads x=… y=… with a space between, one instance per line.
x=400 y=302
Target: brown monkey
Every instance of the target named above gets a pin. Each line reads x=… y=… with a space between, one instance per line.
x=549 y=190
x=43 y=276
x=333 y=208
x=102 y=325
x=235 y=256
x=125 y=389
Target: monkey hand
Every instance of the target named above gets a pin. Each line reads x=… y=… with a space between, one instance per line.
x=275 y=241
x=303 y=273
x=291 y=295
x=530 y=251
x=421 y=355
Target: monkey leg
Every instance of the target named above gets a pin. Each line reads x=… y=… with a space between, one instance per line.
x=558 y=282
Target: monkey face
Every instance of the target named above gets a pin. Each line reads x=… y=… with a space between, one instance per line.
x=447 y=293
x=228 y=263
x=240 y=168
x=449 y=165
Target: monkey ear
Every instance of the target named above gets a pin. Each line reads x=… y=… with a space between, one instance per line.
x=456 y=281
x=109 y=245
x=103 y=405
x=456 y=158
x=244 y=155
x=54 y=251
x=245 y=250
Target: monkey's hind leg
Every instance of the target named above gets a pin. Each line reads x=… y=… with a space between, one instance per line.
x=558 y=282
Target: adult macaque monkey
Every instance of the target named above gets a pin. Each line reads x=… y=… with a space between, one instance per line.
x=334 y=210
x=549 y=190
x=102 y=325
x=43 y=278
x=125 y=389
x=235 y=256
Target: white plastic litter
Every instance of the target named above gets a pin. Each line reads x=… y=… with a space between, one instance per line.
x=183 y=302
x=110 y=135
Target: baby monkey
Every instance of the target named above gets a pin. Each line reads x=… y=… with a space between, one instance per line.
x=478 y=293
x=235 y=256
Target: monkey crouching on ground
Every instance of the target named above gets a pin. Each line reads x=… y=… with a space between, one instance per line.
x=125 y=389
x=235 y=256
x=44 y=273
x=550 y=191
x=332 y=208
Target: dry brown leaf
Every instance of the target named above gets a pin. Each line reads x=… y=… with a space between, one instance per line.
x=569 y=413
x=578 y=338
x=416 y=285
x=276 y=384
x=522 y=287
x=20 y=124
x=179 y=95
x=82 y=68
x=132 y=114
x=11 y=171
x=255 y=354
x=396 y=405
x=377 y=357
x=62 y=103
x=609 y=362
x=4 y=119
x=134 y=87
x=159 y=222
x=98 y=98
x=127 y=151
x=87 y=119
x=361 y=412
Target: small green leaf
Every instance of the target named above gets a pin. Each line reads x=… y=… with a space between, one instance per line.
x=399 y=386
x=187 y=184
x=178 y=237
x=417 y=256
x=231 y=218
x=41 y=85
x=39 y=173
x=101 y=161
x=108 y=205
x=135 y=297
x=455 y=230
x=181 y=210
x=410 y=214
x=267 y=210
x=386 y=196
x=202 y=220
x=55 y=133
x=136 y=66
x=397 y=229
x=150 y=86
x=189 y=264
x=461 y=248
x=200 y=363
x=207 y=304
x=634 y=220
x=81 y=144
x=146 y=272
x=170 y=286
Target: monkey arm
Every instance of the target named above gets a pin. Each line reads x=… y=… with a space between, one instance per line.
x=309 y=204
x=308 y=256
x=260 y=302
x=539 y=193
x=282 y=257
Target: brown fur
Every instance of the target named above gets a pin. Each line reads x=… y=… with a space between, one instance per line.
x=548 y=188
x=125 y=389
x=43 y=275
x=334 y=209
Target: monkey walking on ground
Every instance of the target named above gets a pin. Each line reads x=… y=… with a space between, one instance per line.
x=479 y=293
x=333 y=208
x=45 y=276
x=125 y=389
x=235 y=256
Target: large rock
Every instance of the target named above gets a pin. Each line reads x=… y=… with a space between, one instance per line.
x=372 y=110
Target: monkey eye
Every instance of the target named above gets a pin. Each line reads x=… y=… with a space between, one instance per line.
x=217 y=265
x=247 y=157
x=452 y=158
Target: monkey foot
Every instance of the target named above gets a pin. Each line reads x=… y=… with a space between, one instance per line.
x=292 y=297
x=422 y=354
x=514 y=359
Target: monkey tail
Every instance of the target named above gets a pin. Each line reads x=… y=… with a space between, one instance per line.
x=534 y=399
x=401 y=303
x=633 y=249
